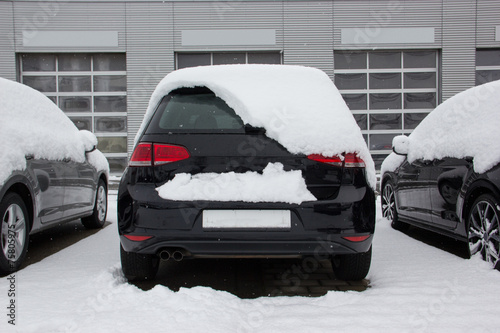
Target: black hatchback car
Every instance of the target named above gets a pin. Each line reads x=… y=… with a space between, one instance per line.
x=445 y=177
x=193 y=132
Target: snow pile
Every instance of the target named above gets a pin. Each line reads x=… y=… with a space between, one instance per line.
x=466 y=125
x=33 y=125
x=273 y=185
x=299 y=107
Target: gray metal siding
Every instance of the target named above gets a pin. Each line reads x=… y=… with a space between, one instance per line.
x=63 y=16
x=230 y=15
x=488 y=17
x=150 y=56
x=7 y=54
x=308 y=30
x=459 y=49
x=370 y=16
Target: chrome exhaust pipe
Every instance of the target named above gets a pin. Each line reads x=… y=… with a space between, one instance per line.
x=177 y=255
x=165 y=255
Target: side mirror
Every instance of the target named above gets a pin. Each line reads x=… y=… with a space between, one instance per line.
x=89 y=140
x=401 y=145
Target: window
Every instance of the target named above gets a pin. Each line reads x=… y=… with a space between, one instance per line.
x=184 y=60
x=91 y=89
x=487 y=65
x=389 y=92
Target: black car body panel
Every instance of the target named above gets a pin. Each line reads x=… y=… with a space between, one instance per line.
x=345 y=205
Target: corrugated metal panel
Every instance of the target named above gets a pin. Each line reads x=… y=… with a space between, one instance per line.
x=308 y=30
x=459 y=49
x=369 y=16
x=221 y=15
x=150 y=56
x=488 y=17
x=63 y=16
x=7 y=54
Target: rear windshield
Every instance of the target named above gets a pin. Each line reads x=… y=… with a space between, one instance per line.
x=195 y=110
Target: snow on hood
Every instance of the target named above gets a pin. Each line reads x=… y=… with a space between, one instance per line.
x=33 y=125
x=299 y=107
x=465 y=125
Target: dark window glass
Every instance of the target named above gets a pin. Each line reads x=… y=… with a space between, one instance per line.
x=349 y=60
x=413 y=119
x=420 y=80
x=385 y=121
x=419 y=59
x=110 y=83
x=112 y=144
x=74 y=62
x=385 y=101
x=361 y=120
x=41 y=83
x=385 y=59
x=487 y=76
x=193 y=59
x=381 y=141
x=385 y=81
x=38 y=62
x=488 y=57
x=110 y=124
x=110 y=103
x=264 y=58
x=350 y=81
x=74 y=83
x=378 y=159
x=82 y=123
x=117 y=164
x=110 y=62
x=229 y=58
x=201 y=112
x=355 y=101
x=75 y=104
x=420 y=100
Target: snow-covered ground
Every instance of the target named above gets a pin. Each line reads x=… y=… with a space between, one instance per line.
x=414 y=287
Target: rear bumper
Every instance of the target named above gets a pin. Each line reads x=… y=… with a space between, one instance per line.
x=317 y=228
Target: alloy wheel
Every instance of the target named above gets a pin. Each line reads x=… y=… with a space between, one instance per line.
x=101 y=203
x=484 y=235
x=388 y=203
x=13 y=232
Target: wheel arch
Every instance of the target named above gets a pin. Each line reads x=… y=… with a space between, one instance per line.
x=477 y=189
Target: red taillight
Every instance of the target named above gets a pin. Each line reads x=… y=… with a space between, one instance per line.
x=137 y=238
x=350 y=160
x=167 y=154
x=147 y=154
x=142 y=155
x=356 y=238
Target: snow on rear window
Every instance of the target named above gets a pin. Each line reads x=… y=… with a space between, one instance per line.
x=33 y=125
x=299 y=107
x=465 y=125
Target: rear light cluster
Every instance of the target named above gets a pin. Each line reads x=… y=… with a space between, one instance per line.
x=350 y=160
x=153 y=154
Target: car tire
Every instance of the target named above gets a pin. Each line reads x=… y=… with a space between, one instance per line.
x=352 y=267
x=138 y=267
x=14 y=232
x=483 y=229
x=98 y=217
x=389 y=208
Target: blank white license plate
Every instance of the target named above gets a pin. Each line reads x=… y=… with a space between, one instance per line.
x=246 y=219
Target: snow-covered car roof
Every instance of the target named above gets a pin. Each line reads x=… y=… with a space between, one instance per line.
x=33 y=125
x=465 y=125
x=298 y=106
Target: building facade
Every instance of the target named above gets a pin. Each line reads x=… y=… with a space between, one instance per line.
x=392 y=60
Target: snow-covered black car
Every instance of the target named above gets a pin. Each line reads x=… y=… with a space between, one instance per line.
x=49 y=171
x=445 y=177
x=247 y=161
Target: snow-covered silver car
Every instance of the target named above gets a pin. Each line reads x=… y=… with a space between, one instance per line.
x=49 y=172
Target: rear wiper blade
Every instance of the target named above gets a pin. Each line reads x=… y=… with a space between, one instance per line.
x=251 y=129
